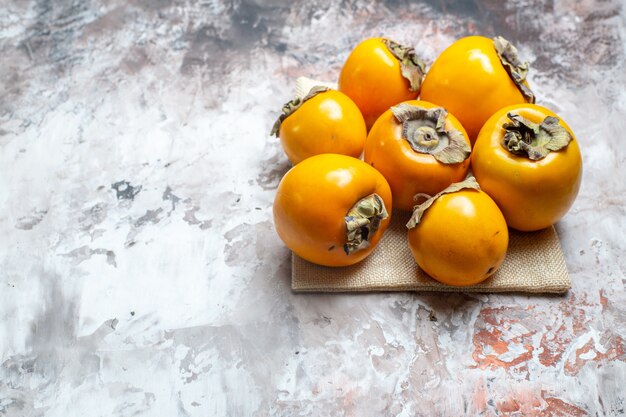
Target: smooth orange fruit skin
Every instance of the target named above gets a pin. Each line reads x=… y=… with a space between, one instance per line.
x=461 y=239
x=531 y=194
x=372 y=78
x=328 y=123
x=409 y=172
x=468 y=79
x=312 y=201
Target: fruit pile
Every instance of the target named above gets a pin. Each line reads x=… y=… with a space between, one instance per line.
x=462 y=146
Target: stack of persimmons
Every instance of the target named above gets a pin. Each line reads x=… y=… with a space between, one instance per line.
x=462 y=147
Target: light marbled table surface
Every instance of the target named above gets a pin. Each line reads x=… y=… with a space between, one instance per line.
x=140 y=273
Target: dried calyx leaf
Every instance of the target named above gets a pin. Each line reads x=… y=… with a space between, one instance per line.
x=418 y=211
x=293 y=105
x=533 y=140
x=413 y=69
x=425 y=130
x=362 y=221
x=513 y=65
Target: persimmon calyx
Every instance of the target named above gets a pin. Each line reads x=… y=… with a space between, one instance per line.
x=419 y=210
x=533 y=140
x=412 y=68
x=362 y=221
x=293 y=105
x=514 y=66
x=425 y=130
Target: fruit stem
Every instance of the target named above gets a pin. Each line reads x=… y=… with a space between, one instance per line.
x=425 y=130
x=293 y=105
x=362 y=221
x=412 y=68
x=419 y=210
x=512 y=63
x=533 y=140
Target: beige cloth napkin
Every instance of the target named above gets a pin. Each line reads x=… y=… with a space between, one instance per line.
x=534 y=262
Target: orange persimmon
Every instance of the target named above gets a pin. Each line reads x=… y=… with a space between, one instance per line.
x=459 y=237
x=419 y=148
x=380 y=73
x=474 y=77
x=527 y=159
x=332 y=209
x=324 y=121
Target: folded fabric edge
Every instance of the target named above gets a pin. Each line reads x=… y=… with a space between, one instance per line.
x=518 y=290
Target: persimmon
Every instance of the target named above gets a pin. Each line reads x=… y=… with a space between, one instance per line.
x=324 y=121
x=459 y=236
x=419 y=148
x=528 y=160
x=380 y=73
x=475 y=77
x=332 y=209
